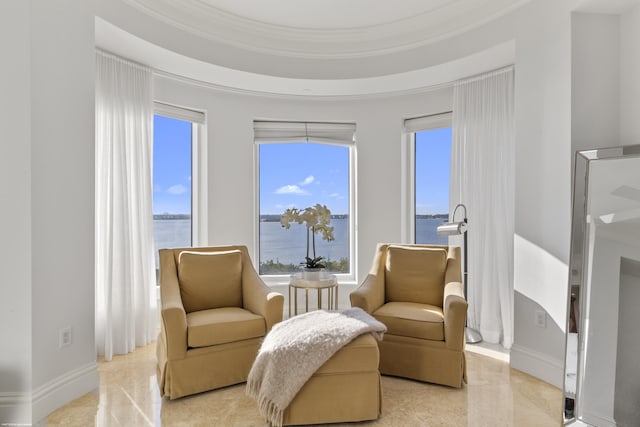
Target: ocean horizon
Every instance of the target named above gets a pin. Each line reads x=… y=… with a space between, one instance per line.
x=288 y=246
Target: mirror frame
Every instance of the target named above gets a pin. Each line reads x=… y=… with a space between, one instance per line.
x=578 y=266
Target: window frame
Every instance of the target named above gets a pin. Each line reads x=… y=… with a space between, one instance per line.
x=411 y=127
x=283 y=279
x=198 y=165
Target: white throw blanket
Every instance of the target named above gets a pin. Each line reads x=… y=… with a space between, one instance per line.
x=294 y=350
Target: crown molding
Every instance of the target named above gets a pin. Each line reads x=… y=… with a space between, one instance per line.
x=169 y=64
x=431 y=25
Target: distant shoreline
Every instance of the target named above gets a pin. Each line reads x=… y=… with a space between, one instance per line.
x=433 y=216
x=171 y=216
x=276 y=217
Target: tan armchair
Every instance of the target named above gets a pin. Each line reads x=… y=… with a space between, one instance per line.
x=215 y=310
x=417 y=292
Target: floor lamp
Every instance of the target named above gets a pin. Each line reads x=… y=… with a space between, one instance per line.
x=456 y=228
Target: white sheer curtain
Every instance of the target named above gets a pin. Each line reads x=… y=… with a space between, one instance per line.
x=482 y=177
x=125 y=269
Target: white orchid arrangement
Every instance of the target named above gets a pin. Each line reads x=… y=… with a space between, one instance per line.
x=316 y=219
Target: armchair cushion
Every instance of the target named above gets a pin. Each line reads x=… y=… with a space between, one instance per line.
x=198 y=272
x=415 y=274
x=413 y=320
x=223 y=325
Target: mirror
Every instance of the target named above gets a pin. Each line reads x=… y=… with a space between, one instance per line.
x=602 y=382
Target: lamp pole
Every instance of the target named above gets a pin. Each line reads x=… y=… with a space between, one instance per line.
x=471 y=335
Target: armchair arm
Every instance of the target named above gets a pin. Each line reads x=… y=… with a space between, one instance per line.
x=172 y=312
x=455 y=315
x=369 y=296
x=260 y=299
x=454 y=303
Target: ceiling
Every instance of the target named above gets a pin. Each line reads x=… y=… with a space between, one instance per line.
x=356 y=48
x=328 y=28
x=320 y=48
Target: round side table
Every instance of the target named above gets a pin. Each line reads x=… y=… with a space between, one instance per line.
x=319 y=282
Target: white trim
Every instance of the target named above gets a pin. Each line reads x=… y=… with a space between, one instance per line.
x=180 y=113
x=408 y=183
x=63 y=389
x=283 y=279
x=15 y=408
x=434 y=121
x=199 y=194
x=597 y=420
x=353 y=218
x=199 y=218
x=8 y=398
x=410 y=127
x=537 y=364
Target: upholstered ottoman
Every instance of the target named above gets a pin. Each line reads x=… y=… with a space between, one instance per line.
x=346 y=388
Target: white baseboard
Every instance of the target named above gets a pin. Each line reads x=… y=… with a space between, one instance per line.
x=63 y=389
x=15 y=408
x=537 y=364
x=597 y=420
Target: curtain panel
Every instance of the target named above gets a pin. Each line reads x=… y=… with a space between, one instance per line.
x=482 y=178
x=125 y=274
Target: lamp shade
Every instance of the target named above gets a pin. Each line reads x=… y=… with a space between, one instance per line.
x=452 y=228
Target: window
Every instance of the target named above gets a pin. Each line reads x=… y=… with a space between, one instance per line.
x=301 y=165
x=431 y=137
x=175 y=136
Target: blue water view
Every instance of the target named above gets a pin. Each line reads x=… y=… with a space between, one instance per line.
x=288 y=246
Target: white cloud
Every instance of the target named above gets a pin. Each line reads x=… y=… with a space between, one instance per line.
x=291 y=189
x=336 y=195
x=177 y=189
x=308 y=180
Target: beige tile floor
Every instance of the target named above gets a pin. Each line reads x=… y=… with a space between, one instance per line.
x=495 y=395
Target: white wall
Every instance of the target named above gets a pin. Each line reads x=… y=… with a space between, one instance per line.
x=62 y=195
x=595 y=81
x=49 y=173
x=629 y=80
x=15 y=214
x=543 y=182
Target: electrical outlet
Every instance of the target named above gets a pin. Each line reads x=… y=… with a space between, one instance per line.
x=540 y=319
x=65 y=337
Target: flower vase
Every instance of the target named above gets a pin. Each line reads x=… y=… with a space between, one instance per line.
x=312 y=273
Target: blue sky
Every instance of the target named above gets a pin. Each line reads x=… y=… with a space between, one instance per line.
x=433 y=164
x=303 y=174
x=171 y=166
x=295 y=174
